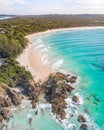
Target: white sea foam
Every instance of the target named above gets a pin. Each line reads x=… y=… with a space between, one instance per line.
x=77 y=81
x=71 y=126
x=57 y=65
x=80 y=98
x=44 y=59
x=43 y=106
x=38 y=40
x=63 y=71
x=40 y=46
x=29 y=115
x=59 y=121
x=73 y=109
x=13 y=109
x=44 y=50
x=69 y=102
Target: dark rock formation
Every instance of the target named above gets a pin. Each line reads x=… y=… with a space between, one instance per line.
x=75 y=99
x=15 y=97
x=71 y=79
x=67 y=78
x=58 y=106
x=67 y=88
x=8 y=98
x=81 y=118
x=5 y=102
x=4 y=113
x=61 y=76
x=36 y=113
x=83 y=127
x=56 y=91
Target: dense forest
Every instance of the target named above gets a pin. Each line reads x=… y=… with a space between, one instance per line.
x=12 y=40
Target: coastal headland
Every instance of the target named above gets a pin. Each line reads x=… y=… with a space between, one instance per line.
x=45 y=85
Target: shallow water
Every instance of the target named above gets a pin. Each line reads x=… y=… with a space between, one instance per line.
x=80 y=52
x=42 y=121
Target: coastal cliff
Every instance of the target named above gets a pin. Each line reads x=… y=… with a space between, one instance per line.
x=54 y=90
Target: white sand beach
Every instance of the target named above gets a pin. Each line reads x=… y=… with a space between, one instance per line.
x=31 y=58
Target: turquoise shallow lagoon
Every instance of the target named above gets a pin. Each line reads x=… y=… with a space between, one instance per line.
x=83 y=54
x=80 y=52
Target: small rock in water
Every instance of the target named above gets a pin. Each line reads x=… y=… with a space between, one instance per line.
x=75 y=99
x=72 y=115
x=36 y=113
x=83 y=127
x=81 y=118
x=30 y=120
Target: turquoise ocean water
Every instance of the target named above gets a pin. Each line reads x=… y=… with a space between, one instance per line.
x=80 y=52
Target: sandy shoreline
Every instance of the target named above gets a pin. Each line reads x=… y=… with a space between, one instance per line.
x=31 y=58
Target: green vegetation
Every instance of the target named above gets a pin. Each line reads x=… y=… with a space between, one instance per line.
x=14 y=75
x=11 y=46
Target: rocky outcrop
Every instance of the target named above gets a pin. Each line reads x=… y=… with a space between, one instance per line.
x=15 y=97
x=34 y=90
x=4 y=113
x=12 y=96
x=5 y=102
x=67 y=78
x=58 y=106
x=8 y=98
x=56 y=90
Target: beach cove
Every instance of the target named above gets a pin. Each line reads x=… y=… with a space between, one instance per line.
x=35 y=65
x=39 y=69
